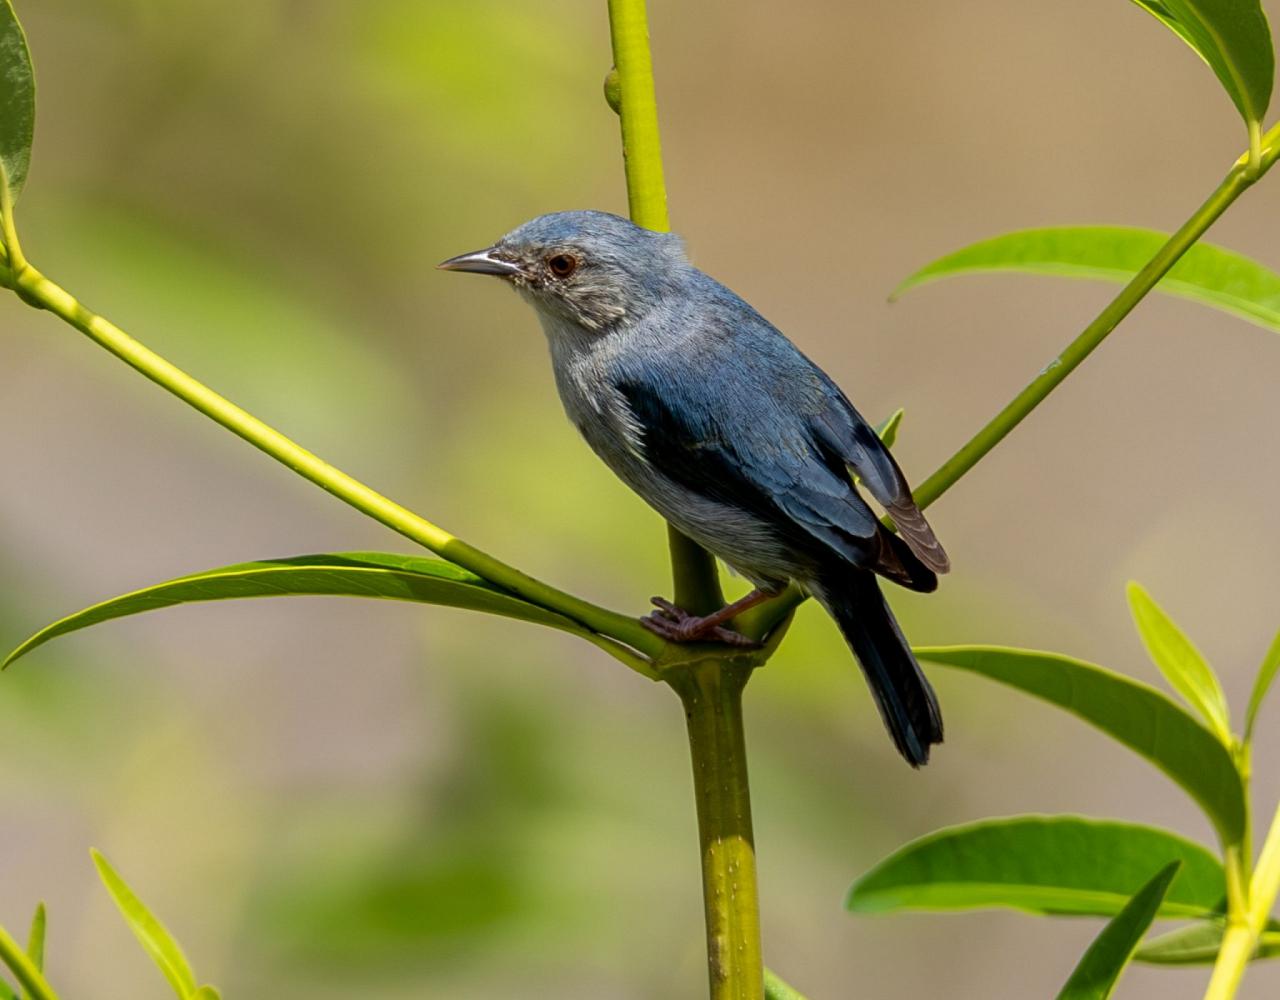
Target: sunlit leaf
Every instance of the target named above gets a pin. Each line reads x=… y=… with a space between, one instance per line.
x=1198 y=944
x=205 y=993
x=153 y=935
x=1041 y=864
x=1206 y=274
x=17 y=99
x=1139 y=716
x=351 y=574
x=888 y=430
x=1261 y=685
x=1233 y=37
x=35 y=942
x=1181 y=663
x=1099 y=970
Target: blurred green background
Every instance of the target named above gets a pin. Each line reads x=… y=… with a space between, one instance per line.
x=337 y=798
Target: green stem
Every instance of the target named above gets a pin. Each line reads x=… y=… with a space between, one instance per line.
x=1056 y=372
x=1242 y=176
x=24 y=969
x=693 y=569
x=776 y=989
x=1244 y=928
x=13 y=257
x=39 y=291
x=638 y=111
x=711 y=692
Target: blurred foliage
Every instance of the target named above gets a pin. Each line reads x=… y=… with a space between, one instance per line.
x=266 y=208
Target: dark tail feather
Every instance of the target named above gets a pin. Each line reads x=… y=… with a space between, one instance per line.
x=902 y=693
x=900 y=564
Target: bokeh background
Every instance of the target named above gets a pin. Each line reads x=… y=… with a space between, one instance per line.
x=333 y=799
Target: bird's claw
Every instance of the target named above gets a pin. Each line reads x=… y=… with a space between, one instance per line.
x=677 y=625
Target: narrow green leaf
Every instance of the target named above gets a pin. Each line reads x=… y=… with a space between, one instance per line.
x=206 y=993
x=1198 y=944
x=1139 y=716
x=1181 y=663
x=1233 y=37
x=24 y=971
x=1206 y=274
x=1261 y=685
x=1041 y=864
x=350 y=574
x=888 y=429
x=17 y=100
x=155 y=939
x=6 y=991
x=1099 y=970
x=35 y=942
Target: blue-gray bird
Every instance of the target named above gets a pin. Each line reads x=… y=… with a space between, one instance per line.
x=719 y=422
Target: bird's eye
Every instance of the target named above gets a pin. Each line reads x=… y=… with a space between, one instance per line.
x=562 y=264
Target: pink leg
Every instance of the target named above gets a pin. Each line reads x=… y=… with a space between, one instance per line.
x=677 y=625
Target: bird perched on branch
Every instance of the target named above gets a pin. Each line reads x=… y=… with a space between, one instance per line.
x=720 y=423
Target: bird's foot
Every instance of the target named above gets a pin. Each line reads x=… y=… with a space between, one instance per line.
x=677 y=625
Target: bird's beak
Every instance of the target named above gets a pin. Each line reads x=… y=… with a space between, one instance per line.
x=480 y=262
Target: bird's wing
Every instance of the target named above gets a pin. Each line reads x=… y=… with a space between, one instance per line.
x=843 y=430
x=703 y=434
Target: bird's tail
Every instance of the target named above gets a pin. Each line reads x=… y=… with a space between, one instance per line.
x=902 y=692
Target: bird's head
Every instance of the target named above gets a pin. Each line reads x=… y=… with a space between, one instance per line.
x=591 y=270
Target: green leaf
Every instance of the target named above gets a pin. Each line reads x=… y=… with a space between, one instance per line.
x=1139 y=716
x=1198 y=944
x=1099 y=970
x=157 y=940
x=1206 y=274
x=1040 y=864
x=1261 y=685
x=6 y=991
x=1233 y=37
x=35 y=942
x=24 y=970
x=206 y=993
x=17 y=100
x=1181 y=663
x=350 y=574
x=888 y=430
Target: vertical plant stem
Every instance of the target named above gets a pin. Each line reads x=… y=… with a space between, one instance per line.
x=13 y=257
x=641 y=141
x=711 y=692
x=696 y=581
x=1244 y=928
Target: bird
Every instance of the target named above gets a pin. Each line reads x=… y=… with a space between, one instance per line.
x=721 y=424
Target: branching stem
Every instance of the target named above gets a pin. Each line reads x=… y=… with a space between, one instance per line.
x=710 y=689
x=1241 y=177
x=38 y=290
x=1246 y=922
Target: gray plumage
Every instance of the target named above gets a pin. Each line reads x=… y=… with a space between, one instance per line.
x=723 y=426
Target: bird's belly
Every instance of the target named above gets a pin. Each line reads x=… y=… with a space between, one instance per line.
x=744 y=541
